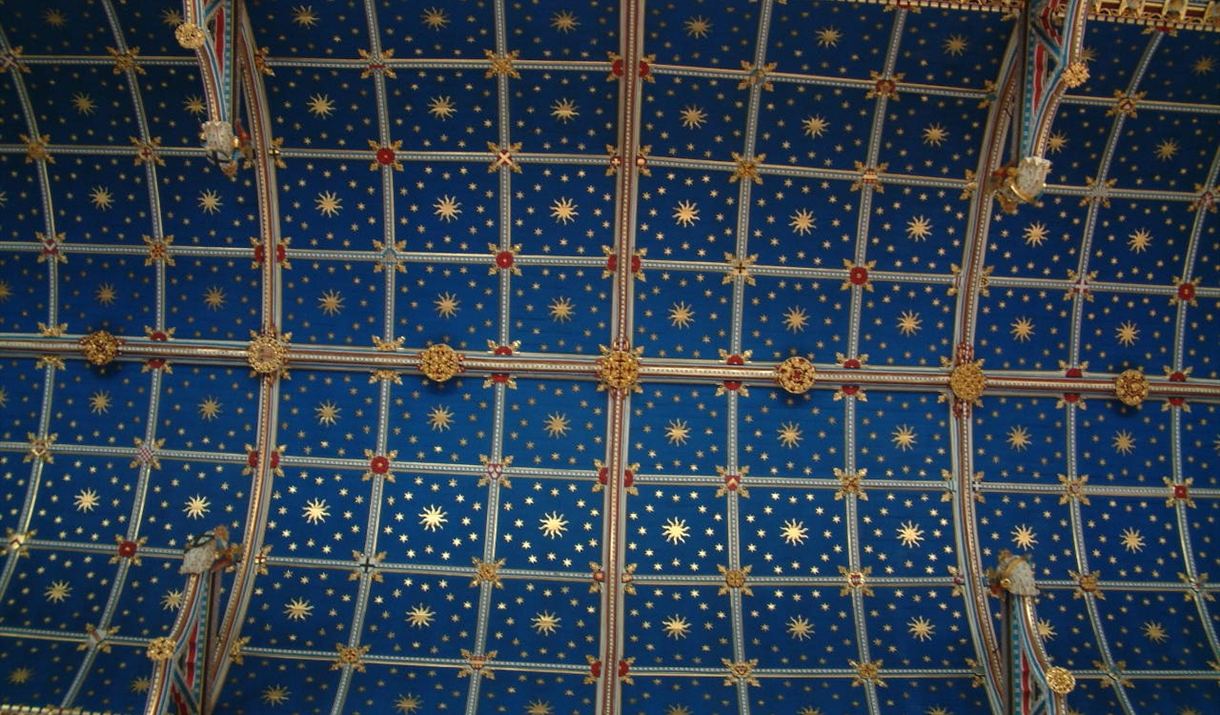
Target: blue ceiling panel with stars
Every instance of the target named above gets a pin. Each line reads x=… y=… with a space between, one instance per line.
x=552 y=358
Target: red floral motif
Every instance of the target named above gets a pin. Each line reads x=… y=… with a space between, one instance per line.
x=504 y=259
x=858 y=276
x=385 y=156
x=379 y=465
x=1186 y=292
x=127 y=549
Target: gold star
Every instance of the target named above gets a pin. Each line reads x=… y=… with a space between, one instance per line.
x=677 y=432
x=795 y=319
x=686 y=213
x=214 y=298
x=553 y=525
x=934 y=135
x=800 y=628
x=802 y=222
x=545 y=623
x=446 y=305
x=790 y=434
x=1166 y=149
x=1124 y=442
x=209 y=201
x=1057 y=142
x=1035 y=234
x=903 y=437
x=562 y=309
x=275 y=694
x=921 y=628
x=434 y=18
x=1127 y=334
x=564 y=21
x=86 y=500
x=919 y=228
x=327 y=413
x=196 y=506
x=564 y=110
x=955 y=45
x=828 y=37
x=432 y=518
x=99 y=402
x=1139 y=241
x=1132 y=540
x=100 y=197
x=564 y=210
x=83 y=103
x=58 y=591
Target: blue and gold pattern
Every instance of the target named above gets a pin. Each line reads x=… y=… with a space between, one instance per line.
x=694 y=192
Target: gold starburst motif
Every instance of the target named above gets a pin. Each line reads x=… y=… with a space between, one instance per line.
x=564 y=110
x=1166 y=149
x=697 y=27
x=675 y=530
x=101 y=198
x=330 y=303
x=327 y=413
x=141 y=684
x=909 y=323
x=686 y=213
x=304 y=16
x=814 y=126
x=105 y=294
x=99 y=402
x=408 y=704
x=795 y=319
x=209 y=408
x=321 y=105
x=1155 y=632
x=790 y=434
x=553 y=525
x=563 y=210
x=420 y=616
x=802 y=222
x=298 y=609
x=446 y=305
x=172 y=600
x=442 y=107
x=564 y=21
x=934 y=135
x=681 y=315
x=328 y=203
x=903 y=437
x=194 y=104
x=315 y=511
x=828 y=37
x=693 y=117
x=54 y=18
x=919 y=228
x=1132 y=540
x=1056 y=142
x=799 y=628
x=794 y=532
x=545 y=623
x=954 y=45
x=677 y=432
x=83 y=103
x=1203 y=65
x=86 y=500
x=209 y=201
x=432 y=518
x=434 y=18
x=910 y=534
x=1035 y=234
x=1123 y=442
x=561 y=309
x=1126 y=333
x=676 y=627
x=214 y=297
x=275 y=695
x=920 y=628
x=557 y=425
x=1022 y=329
x=1018 y=438
x=440 y=418
x=1023 y=536
x=1139 y=240
x=197 y=506
x=57 y=592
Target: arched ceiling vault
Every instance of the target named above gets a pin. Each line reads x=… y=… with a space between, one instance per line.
x=552 y=358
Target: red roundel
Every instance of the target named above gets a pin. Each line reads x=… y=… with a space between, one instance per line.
x=504 y=259
x=503 y=350
x=1186 y=292
x=379 y=465
x=385 y=156
x=851 y=389
x=127 y=549
x=858 y=276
